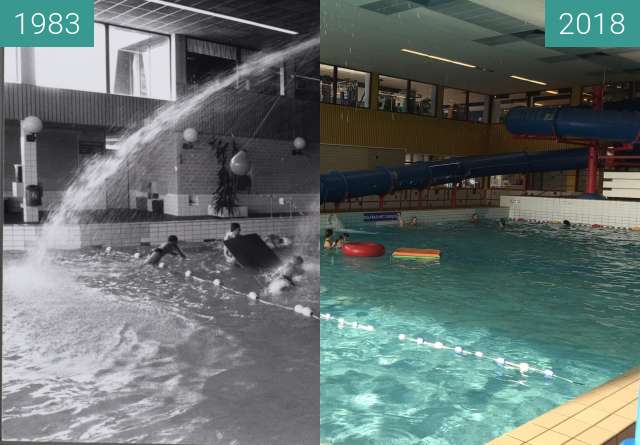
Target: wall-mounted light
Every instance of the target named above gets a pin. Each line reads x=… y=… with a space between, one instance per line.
x=299 y=144
x=31 y=125
x=190 y=135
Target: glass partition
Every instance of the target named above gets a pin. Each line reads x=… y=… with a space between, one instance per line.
x=454 y=104
x=352 y=88
x=392 y=94
x=140 y=63
x=422 y=98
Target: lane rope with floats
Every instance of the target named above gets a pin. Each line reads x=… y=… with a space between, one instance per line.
x=305 y=311
x=523 y=368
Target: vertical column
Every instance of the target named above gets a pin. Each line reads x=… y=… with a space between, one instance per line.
x=28 y=152
x=592 y=171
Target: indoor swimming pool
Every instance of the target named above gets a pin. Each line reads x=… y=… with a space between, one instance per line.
x=557 y=298
x=97 y=347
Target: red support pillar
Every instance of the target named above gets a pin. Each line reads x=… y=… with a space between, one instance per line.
x=592 y=171
x=454 y=196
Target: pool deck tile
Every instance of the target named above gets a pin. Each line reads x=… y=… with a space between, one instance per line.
x=603 y=416
x=549 y=420
x=595 y=436
x=527 y=432
x=571 y=427
x=549 y=437
x=505 y=440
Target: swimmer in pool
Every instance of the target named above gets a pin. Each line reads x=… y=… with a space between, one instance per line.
x=169 y=248
x=400 y=219
x=329 y=243
x=475 y=219
x=414 y=221
x=342 y=239
x=287 y=275
x=502 y=223
x=234 y=232
x=566 y=223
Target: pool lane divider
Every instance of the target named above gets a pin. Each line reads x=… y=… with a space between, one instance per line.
x=253 y=296
x=523 y=368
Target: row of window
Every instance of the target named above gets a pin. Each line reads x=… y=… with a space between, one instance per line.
x=344 y=86
x=137 y=63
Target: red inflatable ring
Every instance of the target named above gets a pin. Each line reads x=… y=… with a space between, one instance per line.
x=363 y=249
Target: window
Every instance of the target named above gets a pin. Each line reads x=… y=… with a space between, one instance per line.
x=352 y=88
x=392 y=94
x=326 y=83
x=503 y=103
x=614 y=92
x=422 y=98
x=12 y=65
x=454 y=104
x=72 y=68
x=140 y=63
x=550 y=98
x=478 y=108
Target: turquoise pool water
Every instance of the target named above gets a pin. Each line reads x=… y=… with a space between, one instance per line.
x=567 y=299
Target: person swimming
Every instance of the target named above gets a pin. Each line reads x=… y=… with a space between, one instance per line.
x=566 y=223
x=342 y=239
x=234 y=232
x=502 y=223
x=286 y=276
x=400 y=219
x=169 y=248
x=475 y=219
x=329 y=243
x=414 y=221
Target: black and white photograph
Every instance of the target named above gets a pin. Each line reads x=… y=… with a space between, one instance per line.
x=161 y=272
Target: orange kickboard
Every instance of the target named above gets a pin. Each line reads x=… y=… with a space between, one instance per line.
x=411 y=252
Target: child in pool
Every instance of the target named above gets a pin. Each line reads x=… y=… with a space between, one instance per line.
x=414 y=221
x=342 y=239
x=234 y=232
x=328 y=239
x=475 y=219
x=169 y=248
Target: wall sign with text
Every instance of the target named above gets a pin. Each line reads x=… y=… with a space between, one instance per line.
x=41 y=23
x=592 y=23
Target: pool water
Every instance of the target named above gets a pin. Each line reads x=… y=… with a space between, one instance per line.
x=553 y=297
x=98 y=348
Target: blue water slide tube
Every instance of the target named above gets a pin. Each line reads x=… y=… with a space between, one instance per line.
x=575 y=123
x=338 y=186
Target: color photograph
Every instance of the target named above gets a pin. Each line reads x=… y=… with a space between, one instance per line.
x=480 y=226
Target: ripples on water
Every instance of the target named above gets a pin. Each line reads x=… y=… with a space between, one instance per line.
x=546 y=295
x=97 y=348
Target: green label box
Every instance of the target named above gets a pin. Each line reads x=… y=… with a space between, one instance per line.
x=61 y=23
x=592 y=23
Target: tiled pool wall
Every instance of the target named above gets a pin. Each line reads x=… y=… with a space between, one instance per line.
x=423 y=216
x=22 y=237
x=621 y=214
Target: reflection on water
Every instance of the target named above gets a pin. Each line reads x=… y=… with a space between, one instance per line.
x=99 y=348
x=559 y=298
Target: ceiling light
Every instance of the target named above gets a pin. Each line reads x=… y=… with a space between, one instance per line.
x=524 y=79
x=222 y=16
x=554 y=92
x=441 y=59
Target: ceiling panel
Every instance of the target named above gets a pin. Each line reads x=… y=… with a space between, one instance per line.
x=502 y=37
x=299 y=15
